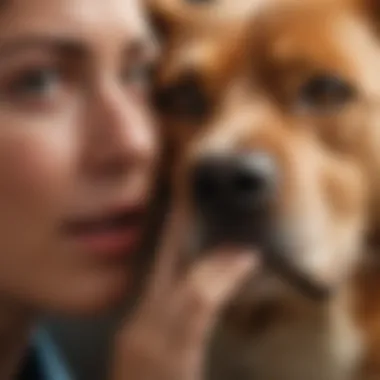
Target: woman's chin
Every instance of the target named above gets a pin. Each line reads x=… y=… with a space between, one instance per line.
x=89 y=298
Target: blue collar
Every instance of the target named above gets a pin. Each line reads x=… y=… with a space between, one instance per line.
x=49 y=357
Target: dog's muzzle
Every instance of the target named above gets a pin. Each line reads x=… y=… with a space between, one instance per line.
x=234 y=196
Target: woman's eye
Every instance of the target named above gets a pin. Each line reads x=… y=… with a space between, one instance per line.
x=35 y=83
x=35 y=89
x=325 y=93
x=138 y=75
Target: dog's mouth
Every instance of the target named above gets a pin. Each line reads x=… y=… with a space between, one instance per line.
x=275 y=250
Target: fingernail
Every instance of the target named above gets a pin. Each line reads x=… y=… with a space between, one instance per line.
x=248 y=257
x=243 y=256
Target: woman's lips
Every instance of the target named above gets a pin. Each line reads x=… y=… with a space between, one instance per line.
x=110 y=235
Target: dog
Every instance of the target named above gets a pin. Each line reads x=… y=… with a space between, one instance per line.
x=271 y=114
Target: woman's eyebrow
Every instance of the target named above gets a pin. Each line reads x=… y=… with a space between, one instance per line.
x=136 y=48
x=13 y=45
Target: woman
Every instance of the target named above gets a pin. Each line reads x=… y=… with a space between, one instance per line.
x=77 y=156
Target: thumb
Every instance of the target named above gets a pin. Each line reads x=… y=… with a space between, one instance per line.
x=221 y=274
x=208 y=287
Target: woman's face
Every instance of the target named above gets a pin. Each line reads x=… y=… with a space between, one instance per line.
x=77 y=149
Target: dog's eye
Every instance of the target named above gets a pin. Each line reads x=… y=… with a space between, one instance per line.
x=184 y=99
x=324 y=93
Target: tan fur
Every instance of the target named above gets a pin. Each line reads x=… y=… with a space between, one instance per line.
x=251 y=62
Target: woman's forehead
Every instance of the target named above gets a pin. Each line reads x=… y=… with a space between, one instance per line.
x=82 y=17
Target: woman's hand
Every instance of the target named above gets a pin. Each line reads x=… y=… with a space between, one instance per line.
x=167 y=337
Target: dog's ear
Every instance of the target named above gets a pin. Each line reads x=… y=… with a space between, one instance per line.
x=171 y=16
x=372 y=11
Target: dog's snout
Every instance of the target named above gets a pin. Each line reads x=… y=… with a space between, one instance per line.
x=237 y=184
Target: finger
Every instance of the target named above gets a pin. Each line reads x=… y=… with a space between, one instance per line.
x=209 y=286
x=167 y=257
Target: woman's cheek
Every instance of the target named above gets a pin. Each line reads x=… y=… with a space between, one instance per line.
x=36 y=166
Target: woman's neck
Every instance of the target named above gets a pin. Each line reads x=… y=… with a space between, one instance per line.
x=15 y=327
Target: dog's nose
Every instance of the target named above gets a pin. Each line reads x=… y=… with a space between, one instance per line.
x=236 y=184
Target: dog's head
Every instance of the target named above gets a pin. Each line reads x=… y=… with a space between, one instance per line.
x=273 y=118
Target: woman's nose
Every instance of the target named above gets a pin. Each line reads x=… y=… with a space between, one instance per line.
x=119 y=131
